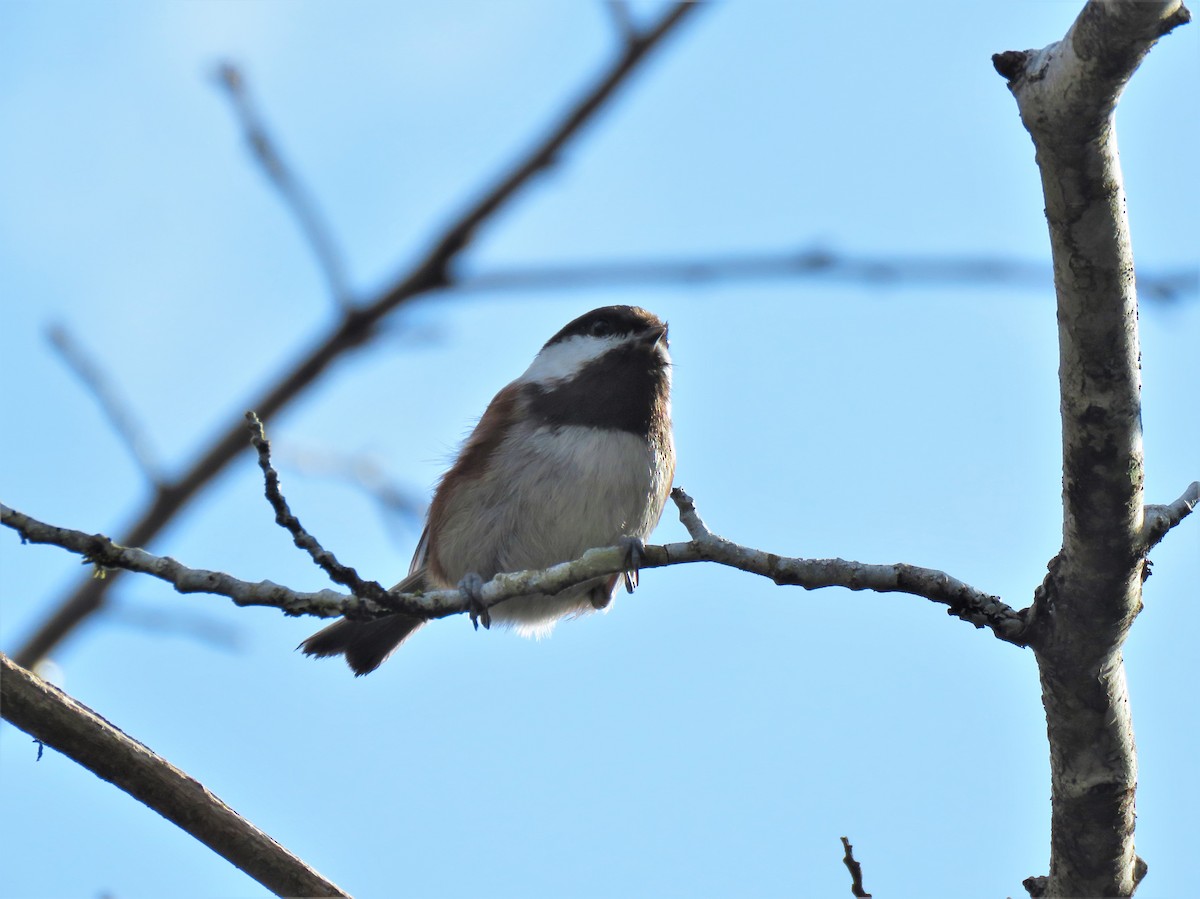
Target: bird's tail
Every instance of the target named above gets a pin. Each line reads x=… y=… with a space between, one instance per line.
x=365 y=644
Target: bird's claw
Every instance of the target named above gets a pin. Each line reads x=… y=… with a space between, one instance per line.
x=471 y=587
x=634 y=554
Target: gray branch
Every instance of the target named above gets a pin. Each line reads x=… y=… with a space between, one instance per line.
x=55 y=719
x=963 y=601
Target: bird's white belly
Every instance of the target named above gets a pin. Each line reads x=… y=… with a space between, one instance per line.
x=550 y=496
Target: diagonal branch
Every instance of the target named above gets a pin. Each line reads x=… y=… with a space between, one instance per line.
x=114 y=406
x=338 y=573
x=308 y=216
x=540 y=157
x=622 y=19
x=356 y=327
x=855 y=869
x=54 y=718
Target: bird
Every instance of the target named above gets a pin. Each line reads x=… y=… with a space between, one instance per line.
x=575 y=453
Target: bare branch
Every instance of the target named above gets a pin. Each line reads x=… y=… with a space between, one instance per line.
x=356 y=327
x=1160 y=519
x=855 y=869
x=338 y=573
x=308 y=216
x=542 y=156
x=111 y=403
x=110 y=557
x=812 y=263
x=622 y=19
x=54 y=718
x=964 y=601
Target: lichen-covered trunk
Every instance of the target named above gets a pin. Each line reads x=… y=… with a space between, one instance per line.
x=1067 y=95
x=1095 y=582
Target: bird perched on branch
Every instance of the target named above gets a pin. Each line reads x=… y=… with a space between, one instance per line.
x=575 y=453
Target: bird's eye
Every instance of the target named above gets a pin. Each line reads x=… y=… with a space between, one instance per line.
x=600 y=329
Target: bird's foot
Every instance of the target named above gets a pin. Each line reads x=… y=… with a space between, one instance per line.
x=634 y=553
x=471 y=587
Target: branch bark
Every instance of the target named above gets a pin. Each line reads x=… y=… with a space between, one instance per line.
x=1160 y=519
x=356 y=326
x=962 y=600
x=1067 y=95
x=54 y=718
x=855 y=869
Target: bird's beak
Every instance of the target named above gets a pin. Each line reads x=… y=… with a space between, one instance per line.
x=656 y=335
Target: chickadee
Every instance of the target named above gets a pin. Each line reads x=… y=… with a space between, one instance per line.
x=575 y=453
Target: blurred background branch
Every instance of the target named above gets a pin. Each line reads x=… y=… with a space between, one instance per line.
x=114 y=406
x=622 y=19
x=365 y=472
x=814 y=263
x=298 y=199
x=356 y=326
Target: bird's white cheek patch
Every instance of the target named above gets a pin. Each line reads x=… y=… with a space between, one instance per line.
x=566 y=358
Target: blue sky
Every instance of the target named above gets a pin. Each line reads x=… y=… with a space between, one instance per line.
x=713 y=735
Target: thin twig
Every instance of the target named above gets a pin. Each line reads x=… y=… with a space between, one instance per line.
x=326 y=561
x=855 y=869
x=109 y=558
x=55 y=719
x=283 y=179
x=112 y=404
x=964 y=601
x=357 y=326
